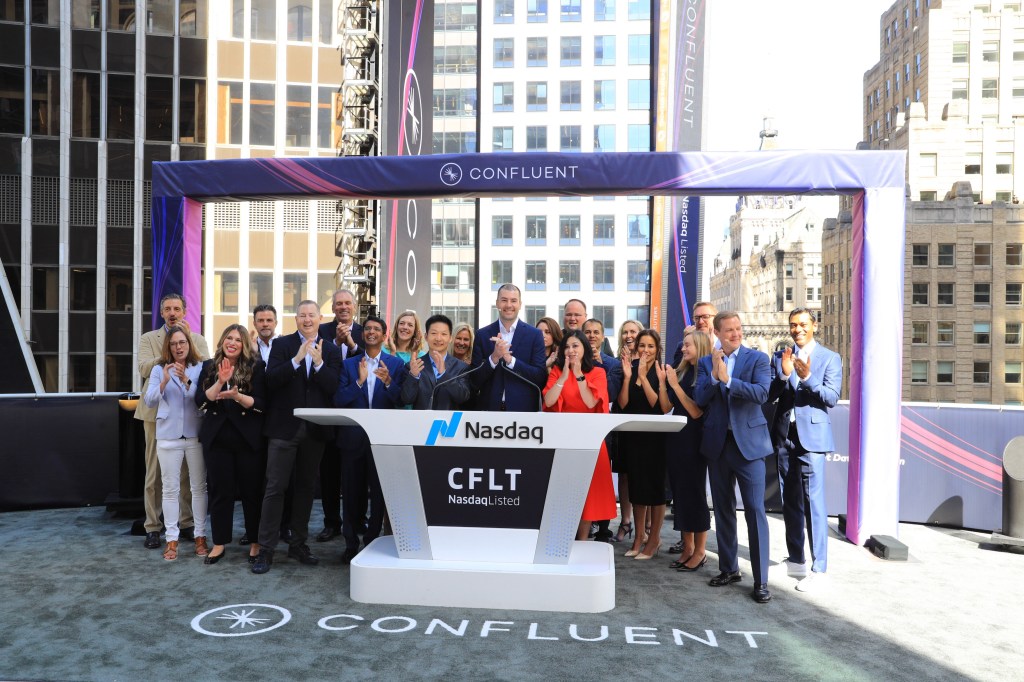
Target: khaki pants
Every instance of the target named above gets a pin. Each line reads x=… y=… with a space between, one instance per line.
x=152 y=494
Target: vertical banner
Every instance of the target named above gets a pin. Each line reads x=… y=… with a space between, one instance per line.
x=678 y=81
x=404 y=275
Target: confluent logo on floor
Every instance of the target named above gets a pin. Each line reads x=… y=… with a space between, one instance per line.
x=237 y=620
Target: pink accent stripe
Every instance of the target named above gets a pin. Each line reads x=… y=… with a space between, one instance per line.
x=936 y=428
x=951 y=452
x=301 y=178
x=192 y=261
x=856 y=473
x=939 y=463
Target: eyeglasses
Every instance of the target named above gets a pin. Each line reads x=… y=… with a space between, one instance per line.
x=175 y=344
x=702 y=317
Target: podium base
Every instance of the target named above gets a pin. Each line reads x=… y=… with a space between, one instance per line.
x=585 y=585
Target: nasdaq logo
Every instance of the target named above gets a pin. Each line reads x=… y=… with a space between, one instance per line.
x=444 y=429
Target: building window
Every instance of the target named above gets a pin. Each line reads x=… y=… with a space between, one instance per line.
x=640 y=94
x=639 y=49
x=570 y=95
x=919 y=255
x=983 y=255
x=536 y=96
x=982 y=333
x=537 y=11
x=946 y=255
x=789 y=294
x=455 y=59
x=453 y=276
x=604 y=95
x=1018 y=51
x=1013 y=293
x=536 y=138
x=919 y=371
x=571 y=51
x=534 y=313
x=604 y=10
x=789 y=269
x=606 y=314
x=604 y=230
x=1013 y=333
x=261 y=114
x=989 y=88
x=503 y=99
x=571 y=10
x=961 y=52
x=919 y=293
x=972 y=164
x=1003 y=196
x=297 y=116
x=959 y=88
x=639 y=10
x=504 y=53
x=990 y=51
x=85 y=103
x=1004 y=164
x=604 y=50
x=982 y=293
x=569 y=275
x=928 y=165
x=604 y=275
x=1011 y=374
x=536 y=230
x=637 y=275
x=945 y=333
x=569 y=230
x=604 y=137
x=504 y=11
x=982 y=372
x=639 y=137
x=927 y=196
x=569 y=138
x=638 y=226
x=919 y=333
x=536 y=51
x=944 y=372
x=501 y=230
x=501 y=272
x=944 y=294
x=502 y=141
x=1014 y=253
x=536 y=275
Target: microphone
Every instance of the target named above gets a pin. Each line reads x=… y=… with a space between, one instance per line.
x=535 y=387
x=449 y=380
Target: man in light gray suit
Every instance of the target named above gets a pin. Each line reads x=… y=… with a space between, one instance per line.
x=428 y=372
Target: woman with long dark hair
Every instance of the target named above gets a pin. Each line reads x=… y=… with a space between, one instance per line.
x=172 y=386
x=576 y=385
x=232 y=393
x=687 y=468
x=552 y=339
x=645 y=452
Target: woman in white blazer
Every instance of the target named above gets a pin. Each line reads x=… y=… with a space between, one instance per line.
x=172 y=386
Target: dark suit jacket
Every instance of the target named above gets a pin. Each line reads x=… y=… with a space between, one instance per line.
x=530 y=368
x=811 y=398
x=738 y=406
x=613 y=371
x=289 y=388
x=451 y=396
x=248 y=421
x=351 y=395
x=328 y=330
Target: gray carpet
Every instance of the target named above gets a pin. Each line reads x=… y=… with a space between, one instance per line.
x=83 y=600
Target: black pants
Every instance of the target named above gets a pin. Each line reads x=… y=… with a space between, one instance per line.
x=359 y=482
x=302 y=454
x=330 y=486
x=232 y=465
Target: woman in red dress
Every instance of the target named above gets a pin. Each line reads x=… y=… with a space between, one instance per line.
x=575 y=385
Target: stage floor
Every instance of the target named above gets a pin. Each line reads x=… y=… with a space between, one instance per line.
x=81 y=599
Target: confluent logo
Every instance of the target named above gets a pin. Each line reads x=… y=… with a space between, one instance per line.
x=451 y=174
x=444 y=429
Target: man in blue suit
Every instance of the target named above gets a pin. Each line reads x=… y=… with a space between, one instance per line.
x=372 y=380
x=732 y=384
x=509 y=367
x=806 y=380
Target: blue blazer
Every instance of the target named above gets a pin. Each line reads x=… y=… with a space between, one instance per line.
x=353 y=396
x=530 y=368
x=738 y=407
x=811 y=398
x=613 y=371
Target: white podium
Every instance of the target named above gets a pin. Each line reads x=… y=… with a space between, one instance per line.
x=485 y=508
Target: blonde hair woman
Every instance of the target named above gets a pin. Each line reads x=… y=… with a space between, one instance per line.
x=462 y=343
x=406 y=337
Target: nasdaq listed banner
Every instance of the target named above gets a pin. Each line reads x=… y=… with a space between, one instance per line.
x=678 y=83
x=404 y=250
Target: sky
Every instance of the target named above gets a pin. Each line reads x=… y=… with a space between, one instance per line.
x=802 y=62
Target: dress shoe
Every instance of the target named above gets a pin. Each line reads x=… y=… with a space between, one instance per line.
x=645 y=556
x=244 y=540
x=286 y=535
x=725 y=578
x=152 y=540
x=760 y=594
x=676 y=564
x=348 y=556
x=187 y=533
x=302 y=553
x=263 y=561
x=210 y=559
x=328 y=533
x=683 y=568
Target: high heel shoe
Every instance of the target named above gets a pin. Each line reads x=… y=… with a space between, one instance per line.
x=643 y=556
x=633 y=553
x=689 y=569
x=625 y=531
x=679 y=562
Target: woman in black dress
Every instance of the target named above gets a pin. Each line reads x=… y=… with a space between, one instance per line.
x=687 y=468
x=645 y=452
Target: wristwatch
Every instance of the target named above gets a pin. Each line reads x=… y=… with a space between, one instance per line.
x=582 y=377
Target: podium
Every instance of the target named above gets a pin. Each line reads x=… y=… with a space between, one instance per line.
x=485 y=507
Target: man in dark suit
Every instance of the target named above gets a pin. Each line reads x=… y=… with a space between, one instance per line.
x=302 y=371
x=732 y=384
x=369 y=381
x=806 y=380
x=510 y=356
x=345 y=333
x=424 y=374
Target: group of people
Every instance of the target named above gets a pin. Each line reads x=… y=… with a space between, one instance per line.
x=224 y=426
